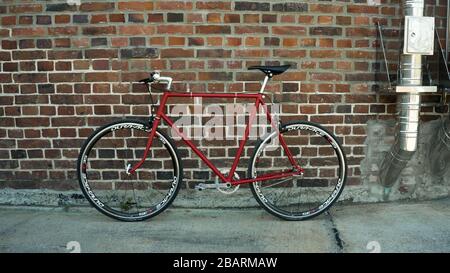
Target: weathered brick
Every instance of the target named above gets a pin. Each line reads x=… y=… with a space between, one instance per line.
x=64 y=77
x=102 y=77
x=61 y=7
x=325 y=8
x=261 y=53
x=63 y=31
x=284 y=53
x=289 y=30
x=177 y=53
x=43 y=43
x=28 y=55
x=9 y=44
x=175 y=29
x=101 y=53
x=32 y=122
x=252 y=6
x=8 y=20
x=325 y=54
x=30 y=77
x=80 y=19
x=37 y=31
x=251 y=29
x=175 y=17
x=28 y=8
x=213 y=53
x=328 y=31
x=136 y=30
x=139 y=53
x=96 y=6
x=43 y=20
x=65 y=54
x=290 y=7
x=215 y=76
x=213 y=29
x=214 y=5
x=99 y=30
x=136 y=5
x=364 y=9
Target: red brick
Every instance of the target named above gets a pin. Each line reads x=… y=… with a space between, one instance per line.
x=175 y=29
x=99 y=30
x=289 y=30
x=213 y=29
x=136 y=30
x=325 y=8
x=252 y=53
x=174 y=5
x=28 y=8
x=325 y=54
x=96 y=6
x=65 y=77
x=251 y=29
x=283 y=53
x=136 y=5
x=102 y=77
x=364 y=9
x=214 y=5
x=8 y=20
x=37 y=31
x=177 y=53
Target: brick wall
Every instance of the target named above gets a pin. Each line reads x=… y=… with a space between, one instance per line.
x=66 y=69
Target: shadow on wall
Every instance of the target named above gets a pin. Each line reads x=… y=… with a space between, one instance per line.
x=417 y=180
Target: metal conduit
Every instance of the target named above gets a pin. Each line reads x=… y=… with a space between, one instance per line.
x=408 y=107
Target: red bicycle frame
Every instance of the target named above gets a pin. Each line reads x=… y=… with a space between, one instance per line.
x=258 y=102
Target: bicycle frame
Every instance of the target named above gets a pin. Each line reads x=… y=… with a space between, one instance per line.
x=160 y=115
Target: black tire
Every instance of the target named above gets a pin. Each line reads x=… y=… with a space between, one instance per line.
x=267 y=204
x=100 y=205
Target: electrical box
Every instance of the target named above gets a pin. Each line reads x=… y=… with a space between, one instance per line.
x=419 y=35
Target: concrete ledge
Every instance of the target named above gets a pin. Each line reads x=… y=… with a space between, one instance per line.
x=188 y=198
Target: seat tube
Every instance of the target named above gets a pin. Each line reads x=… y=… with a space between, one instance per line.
x=263 y=86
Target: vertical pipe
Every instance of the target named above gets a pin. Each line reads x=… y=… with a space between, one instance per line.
x=446 y=32
x=408 y=107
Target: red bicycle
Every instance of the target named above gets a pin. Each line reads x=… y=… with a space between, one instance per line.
x=131 y=170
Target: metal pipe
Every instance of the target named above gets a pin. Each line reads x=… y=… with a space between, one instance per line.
x=446 y=33
x=408 y=107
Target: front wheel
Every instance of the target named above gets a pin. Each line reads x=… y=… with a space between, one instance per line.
x=102 y=171
x=299 y=197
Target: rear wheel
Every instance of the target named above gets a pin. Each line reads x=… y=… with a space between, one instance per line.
x=102 y=166
x=303 y=196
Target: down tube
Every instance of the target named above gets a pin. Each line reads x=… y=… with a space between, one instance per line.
x=195 y=149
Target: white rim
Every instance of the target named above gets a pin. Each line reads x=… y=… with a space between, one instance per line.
x=338 y=186
x=90 y=194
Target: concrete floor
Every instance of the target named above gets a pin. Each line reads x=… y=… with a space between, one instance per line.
x=389 y=227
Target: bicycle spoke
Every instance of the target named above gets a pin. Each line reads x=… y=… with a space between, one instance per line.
x=299 y=197
x=129 y=196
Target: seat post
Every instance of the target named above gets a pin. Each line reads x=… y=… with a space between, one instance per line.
x=266 y=79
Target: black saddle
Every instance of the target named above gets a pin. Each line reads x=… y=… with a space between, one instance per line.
x=271 y=70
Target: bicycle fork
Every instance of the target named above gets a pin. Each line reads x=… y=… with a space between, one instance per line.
x=131 y=170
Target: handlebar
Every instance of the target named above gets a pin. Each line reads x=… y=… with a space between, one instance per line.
x=156 y=77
